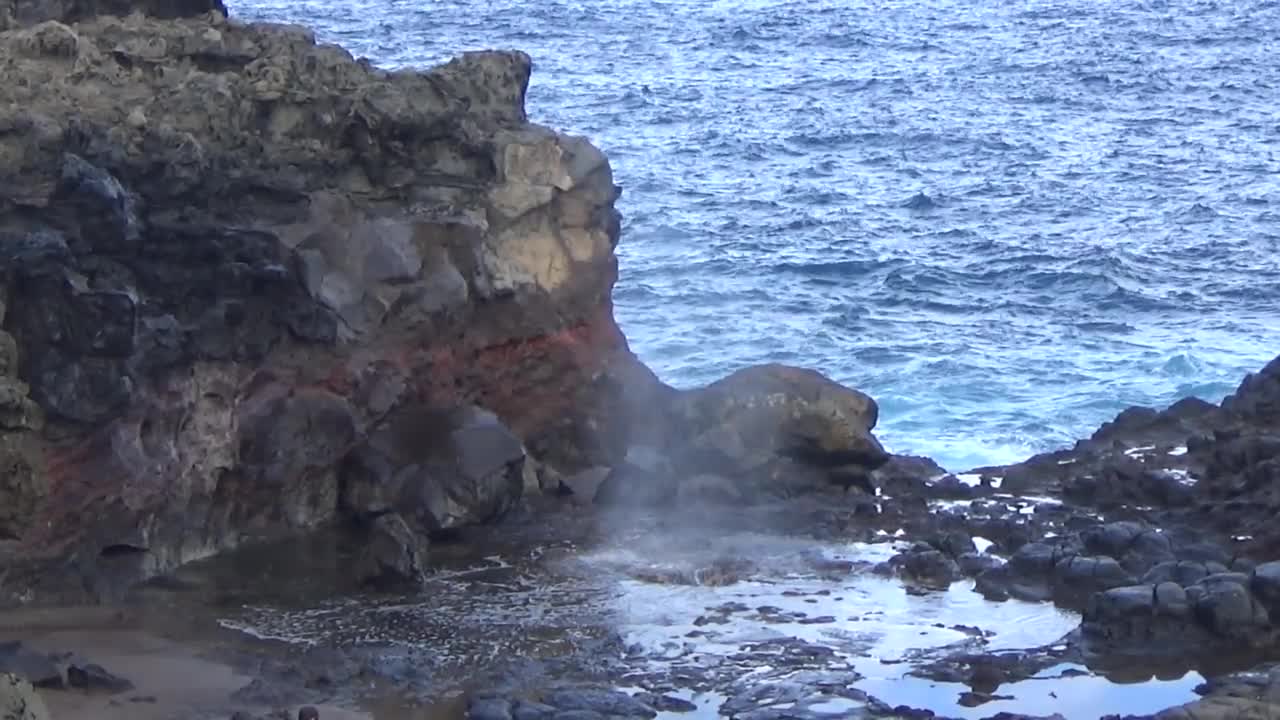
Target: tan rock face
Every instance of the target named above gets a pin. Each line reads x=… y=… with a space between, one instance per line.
x=236 y=265
x=19 y=701
x=231 y=254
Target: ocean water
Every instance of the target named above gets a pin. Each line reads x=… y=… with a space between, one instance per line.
x=1006 y=221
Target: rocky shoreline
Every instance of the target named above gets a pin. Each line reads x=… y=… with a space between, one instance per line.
x=254 y=290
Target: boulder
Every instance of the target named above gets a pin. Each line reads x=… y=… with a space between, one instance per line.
x=93 y=677
x=636 y=482
x=1224 y=605
x=1035 y=559
x=19 y=701
x=974 y=564
x=1265 y=584
x=607 y=703
x=439 y=470
x=709 y=489
x=1184 y=572
x=37 y=668
x=1082 y=575
x=1216 y=612
x=954 y=543
x=23 y=482
x=1222 y=708
x=584 y=485
x=1142 y=620
x=779 y=432
x=1136 y=546
x=1258 y=396
x=394 y=554
x=224 y=272
x=927 y=567
x=489 y=708
x=1171 y=600
x=1002 y=582
x=1122 y=602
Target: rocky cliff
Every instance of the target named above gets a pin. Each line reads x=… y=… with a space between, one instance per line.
x=233 y=259
x=250 y=285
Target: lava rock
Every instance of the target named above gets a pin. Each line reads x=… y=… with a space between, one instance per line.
x=666 y=703
x=89 y=676
x=19 y=700
x=929 y=567
x=529 y=710
x=222 y=315
x=35 y=667
x=597 y=700
x=1083 y=575
x=489 y=708
x=394 y=554
x=1265 y=584
x=583 y=486
x=1227 y=607
x=439 y=470
x=1136 y=546
x=973 y=564
x=1183 y=572
x=778 y=431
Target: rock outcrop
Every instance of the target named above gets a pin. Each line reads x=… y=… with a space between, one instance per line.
x=235 y=262
x=769 y=423
x=764 y=433
x=1213 y=467
x=1191 y=569
x=19 y=701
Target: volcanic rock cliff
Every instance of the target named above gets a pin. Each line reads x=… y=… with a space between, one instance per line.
x=250 y=284
x=230 y=254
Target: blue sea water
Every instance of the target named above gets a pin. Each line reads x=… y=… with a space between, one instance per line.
x=1006 y=221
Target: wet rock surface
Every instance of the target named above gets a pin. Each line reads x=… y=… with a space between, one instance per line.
x=26 y=674
x=926 y=594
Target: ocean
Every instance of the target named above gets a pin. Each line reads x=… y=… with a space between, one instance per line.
x=1006 y=221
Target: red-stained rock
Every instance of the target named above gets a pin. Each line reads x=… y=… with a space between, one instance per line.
x=241 y=272
x=222 y=275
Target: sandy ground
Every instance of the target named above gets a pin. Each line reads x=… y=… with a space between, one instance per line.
x=173 y=681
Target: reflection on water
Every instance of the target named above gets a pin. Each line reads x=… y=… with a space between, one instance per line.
x=1066 y=689
x=783 y=606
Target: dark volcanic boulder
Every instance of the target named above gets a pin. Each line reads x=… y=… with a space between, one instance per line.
x=1186 y=572
x=1143 y=618
x=394 y=553
x=37 y=668
x=227 y=253
x=1136 y=546
x=778 y=432
x=1215 y=614
x=1224 y=604
x=926 y=566
x=93 y=677
x=1083 y=575
x=1257 y=399
x=1266 y=586
x=439 y=470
